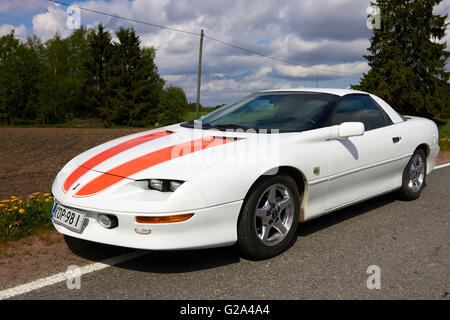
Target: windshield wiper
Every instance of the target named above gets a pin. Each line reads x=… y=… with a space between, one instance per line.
x=195 y=124
x=223 y=127
x=207 y=126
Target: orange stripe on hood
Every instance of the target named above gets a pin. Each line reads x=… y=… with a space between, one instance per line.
x=105 y=155
x=129 y=168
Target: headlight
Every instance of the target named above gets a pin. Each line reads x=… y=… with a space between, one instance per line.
x=175 y=184
x=156 y=184
x=164 y=185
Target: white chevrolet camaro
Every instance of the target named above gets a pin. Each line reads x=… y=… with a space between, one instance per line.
x=245 y=174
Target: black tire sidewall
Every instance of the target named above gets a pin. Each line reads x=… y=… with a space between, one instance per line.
x=405 y=192
x=248 y=241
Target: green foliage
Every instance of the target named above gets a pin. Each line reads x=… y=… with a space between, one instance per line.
x=407 y=61
x=84 y=75
x=444 y=135
x=96 y=67
x=61 y=88
x=20 y=70
x=22 y=217
x=134 y=87
x=190 y=115
x=173 y=105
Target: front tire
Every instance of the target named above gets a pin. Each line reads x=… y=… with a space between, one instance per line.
x=414 y=176
x=269 y=218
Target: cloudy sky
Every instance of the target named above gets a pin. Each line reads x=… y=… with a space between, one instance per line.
x=330 y=36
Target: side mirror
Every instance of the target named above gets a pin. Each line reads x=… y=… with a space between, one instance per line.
x=347 y=129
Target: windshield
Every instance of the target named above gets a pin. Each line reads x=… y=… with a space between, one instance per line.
x=286 y=112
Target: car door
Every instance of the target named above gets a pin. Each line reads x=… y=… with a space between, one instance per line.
x=362 y=166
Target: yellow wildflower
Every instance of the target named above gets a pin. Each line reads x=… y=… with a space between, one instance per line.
x=15 y=208
x=46 y=194
x=21 y=210
x=3 y=201
x=47 y=200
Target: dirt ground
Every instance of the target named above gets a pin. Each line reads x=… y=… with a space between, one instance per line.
x=30 y=158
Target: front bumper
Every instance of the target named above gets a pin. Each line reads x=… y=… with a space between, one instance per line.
x=209 y=227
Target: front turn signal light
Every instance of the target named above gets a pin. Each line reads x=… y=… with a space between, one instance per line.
x=165 y=219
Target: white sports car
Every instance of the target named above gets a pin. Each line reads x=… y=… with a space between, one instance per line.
x=245 y=174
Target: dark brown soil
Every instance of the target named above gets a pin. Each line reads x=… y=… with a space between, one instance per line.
x=30 y=158
x=443 y=157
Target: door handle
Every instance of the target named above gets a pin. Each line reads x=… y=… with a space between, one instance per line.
x=396 y=139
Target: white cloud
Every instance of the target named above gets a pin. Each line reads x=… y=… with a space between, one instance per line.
x=8 y=6
x=321 y=70
x=45 y=25
x=20 y=31
x=332 y=35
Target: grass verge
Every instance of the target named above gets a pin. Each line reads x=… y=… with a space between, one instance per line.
x=444 y=136
x=22 y=217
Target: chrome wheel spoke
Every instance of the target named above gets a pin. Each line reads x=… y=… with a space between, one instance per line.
x=262 y=214
x=280 y=227
x=283 y=204
x=416 y=173
x=265 y=232
x=274 y=214
x=272 y=195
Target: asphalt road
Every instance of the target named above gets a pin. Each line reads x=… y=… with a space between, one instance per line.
x=409 y=241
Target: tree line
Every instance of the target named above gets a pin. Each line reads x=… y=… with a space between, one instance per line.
x=85 y=75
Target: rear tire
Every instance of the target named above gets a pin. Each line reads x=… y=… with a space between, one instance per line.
x=269 y=218
x=414 y=177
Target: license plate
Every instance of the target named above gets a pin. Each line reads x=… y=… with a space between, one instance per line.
x=69 y=218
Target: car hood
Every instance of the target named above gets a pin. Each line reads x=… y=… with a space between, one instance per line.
x=113 y=176
x=171 y=152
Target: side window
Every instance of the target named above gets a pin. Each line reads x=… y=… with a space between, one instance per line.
x=360 y=108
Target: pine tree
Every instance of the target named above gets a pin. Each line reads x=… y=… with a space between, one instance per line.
x=135 y=87
x=407 y=59
x=54 y=106
x=147 y=90
x=97 y=70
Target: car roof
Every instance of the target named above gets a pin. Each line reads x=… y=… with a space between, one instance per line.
x=338 y=92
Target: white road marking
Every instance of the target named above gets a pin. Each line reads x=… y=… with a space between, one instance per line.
x=442 y=165
x=44 y=282
x=62 y=276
